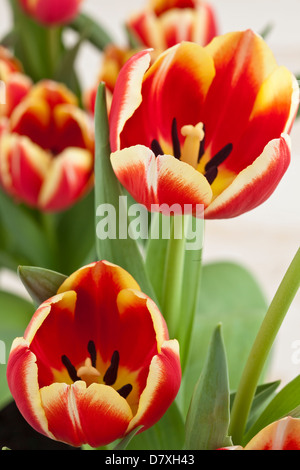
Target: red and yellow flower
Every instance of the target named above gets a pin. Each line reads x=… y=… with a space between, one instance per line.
x=17 y=84
x=204 y=125
x=47 y=149
x=281 y=435
x=95 y=361
x=164 y=23
x=51 y=12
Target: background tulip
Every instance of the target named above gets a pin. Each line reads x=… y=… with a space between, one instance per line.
x=95 y=361
x=46 y=150
x=163 y=24
x=52 y=12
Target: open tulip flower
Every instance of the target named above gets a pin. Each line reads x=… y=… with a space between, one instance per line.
x=204 y=125
x=96 y=361
x=281 y=435
x=51 y=12
x=17 y=84
x=47 y=149
x=164 y=23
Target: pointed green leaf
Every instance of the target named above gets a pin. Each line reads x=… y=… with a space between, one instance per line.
x=121 y=250
x=208 y=416
x=40 y=283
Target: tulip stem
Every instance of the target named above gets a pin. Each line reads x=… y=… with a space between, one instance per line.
x=261 y=349
x=173 y=275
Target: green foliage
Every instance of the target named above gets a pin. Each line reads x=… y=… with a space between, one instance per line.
x=208 y=416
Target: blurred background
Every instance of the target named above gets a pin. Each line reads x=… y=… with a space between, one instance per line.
x=265 y=240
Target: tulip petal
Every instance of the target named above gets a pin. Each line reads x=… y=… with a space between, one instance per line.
x=255 y=184
x=128 y=93
x=186 y=63
x=17 y=87
x=281 y=435
x=242 y=62
x=23 y=166
x=72 y=128
x=162 y=387
x=96 y=415
x=69 y=177
x=160 y=183
x=273 y=112
x=142 y=329
x=48 y=341
x=22 y=378
x=97 y=287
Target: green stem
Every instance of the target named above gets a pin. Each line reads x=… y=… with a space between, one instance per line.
x=261 y=349
x=172 y=290
x=53 y=48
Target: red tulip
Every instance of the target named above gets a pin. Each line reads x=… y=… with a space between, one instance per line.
x=204 y=125
x=46 y=152
x=95 y=362
x=281 y=435
x=51 y=12
x=164 y=23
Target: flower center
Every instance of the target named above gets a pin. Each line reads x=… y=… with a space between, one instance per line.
x=193 y=149
x=90 y=374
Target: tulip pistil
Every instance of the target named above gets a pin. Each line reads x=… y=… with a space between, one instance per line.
x=89 y=374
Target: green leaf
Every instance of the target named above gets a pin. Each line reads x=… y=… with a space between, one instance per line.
x=156 y=253
x=65 y=69
x=37 y=47
x=167 y=434
x=95 y=33
x=76 y=235
x=41 y=284
x=25 y=235
x=229 y=295
x=285 y=403
x=208 y=416
x=15 y=314
x=264 y=394
x=190 y=291
x=123 y=251
x=122 y=445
